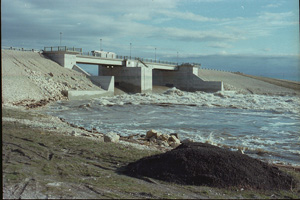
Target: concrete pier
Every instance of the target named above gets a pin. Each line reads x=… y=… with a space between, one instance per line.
x=132 y=79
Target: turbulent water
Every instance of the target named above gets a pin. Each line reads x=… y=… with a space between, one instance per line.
x=265 y=127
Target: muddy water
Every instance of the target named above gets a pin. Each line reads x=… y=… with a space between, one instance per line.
x=265 y=134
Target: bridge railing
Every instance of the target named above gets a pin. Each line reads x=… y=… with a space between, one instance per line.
x=20 y=49
x=63 y=48
x=128 y=57
x=147 y=60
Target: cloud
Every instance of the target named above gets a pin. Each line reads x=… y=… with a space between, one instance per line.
x=198 y=36
x=278 y=19
x=189 y=16
x=219 y=45
x=273 y=5
x=263 y=24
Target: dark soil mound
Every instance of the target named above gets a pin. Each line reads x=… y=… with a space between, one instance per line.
x=204 y=164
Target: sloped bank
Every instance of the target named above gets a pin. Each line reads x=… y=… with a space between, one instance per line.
x=205 y=164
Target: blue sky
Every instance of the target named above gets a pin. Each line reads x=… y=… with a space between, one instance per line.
x=251 y=36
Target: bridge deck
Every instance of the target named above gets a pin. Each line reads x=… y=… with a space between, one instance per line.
x=98 y=60
x=83 y=59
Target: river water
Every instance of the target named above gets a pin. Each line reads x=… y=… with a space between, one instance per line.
x=264 y=127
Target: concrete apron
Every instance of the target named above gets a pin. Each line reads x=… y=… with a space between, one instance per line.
x=86 y=95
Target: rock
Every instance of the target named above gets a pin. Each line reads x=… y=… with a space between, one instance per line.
x=74 y=133
x=101 y=138
x=153 y=139
x=65 y=83
x=164 y=137
x=111 y=137
x=162 y=143
x=219 y=94
x=187 y=140
x=152 y=133
x=173 y=141
x=51 y=74
x=173 y=138
x=64 y=92
x=175 y=134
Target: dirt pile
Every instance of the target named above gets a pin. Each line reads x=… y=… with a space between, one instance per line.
x=204 y=164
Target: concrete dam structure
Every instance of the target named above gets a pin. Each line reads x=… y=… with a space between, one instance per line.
x=134 y=75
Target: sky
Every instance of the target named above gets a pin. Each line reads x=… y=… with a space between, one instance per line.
x=259 y=37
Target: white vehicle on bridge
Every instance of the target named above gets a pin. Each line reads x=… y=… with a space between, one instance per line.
x=104 y=54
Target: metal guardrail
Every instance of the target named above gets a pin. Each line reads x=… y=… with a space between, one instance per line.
x=20 y=49
x=63 y=48
x=129 y=57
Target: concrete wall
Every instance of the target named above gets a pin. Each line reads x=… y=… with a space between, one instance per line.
x=185 y=79
x=65 y=60
x=79 y=69
x=105 y=82
x=147 y=84
x=85 y=95
x=132 y=79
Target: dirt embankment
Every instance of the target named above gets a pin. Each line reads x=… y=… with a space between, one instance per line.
x=29 y=78
x=294 y=85
x=251 y=84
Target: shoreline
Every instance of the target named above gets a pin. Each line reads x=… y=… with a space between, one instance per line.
x=137 y=141
x=45 y=135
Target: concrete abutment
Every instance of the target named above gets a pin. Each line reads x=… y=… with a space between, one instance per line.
x=186 y=78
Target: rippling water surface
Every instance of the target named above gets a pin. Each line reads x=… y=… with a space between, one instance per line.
x=268 y=135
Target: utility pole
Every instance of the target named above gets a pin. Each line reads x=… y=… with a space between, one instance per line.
x=155 y=54
x=60 y=39
x=100 y=44
x=130 y=50
x=177 y=58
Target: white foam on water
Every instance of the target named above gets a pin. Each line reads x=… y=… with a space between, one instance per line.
x=257 y=122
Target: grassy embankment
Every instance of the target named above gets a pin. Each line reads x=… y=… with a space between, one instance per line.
x=75 y=167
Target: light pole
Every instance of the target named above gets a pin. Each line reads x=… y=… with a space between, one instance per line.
x=130 y=50
x=60 y=39
x=100 y=44
x=155 y=54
